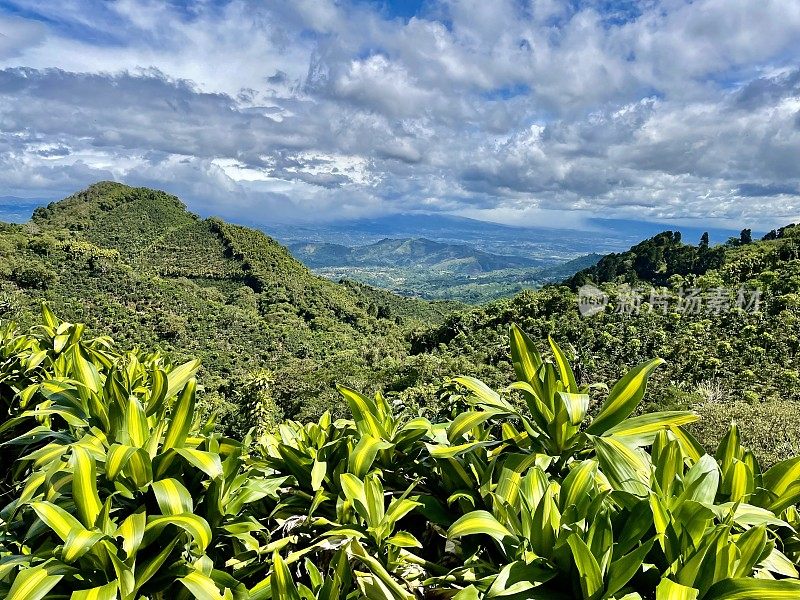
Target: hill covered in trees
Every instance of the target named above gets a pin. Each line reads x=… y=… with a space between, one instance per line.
x=724 y=318
x=135 y=264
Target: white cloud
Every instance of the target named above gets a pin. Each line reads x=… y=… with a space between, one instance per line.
x=666 y=110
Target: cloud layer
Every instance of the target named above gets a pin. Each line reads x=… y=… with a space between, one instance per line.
x=514 y=111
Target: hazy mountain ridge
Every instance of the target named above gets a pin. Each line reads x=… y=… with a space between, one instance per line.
x=435 y=270
x=417 y=252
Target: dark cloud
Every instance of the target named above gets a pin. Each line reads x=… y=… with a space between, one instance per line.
x=765 y=190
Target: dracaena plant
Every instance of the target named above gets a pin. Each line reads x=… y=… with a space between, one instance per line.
x=117 y=492
x=554 y=420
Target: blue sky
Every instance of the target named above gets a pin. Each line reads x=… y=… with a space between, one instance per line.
x=544 y=112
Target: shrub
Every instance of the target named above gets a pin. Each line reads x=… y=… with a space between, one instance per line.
x=118 y=492
x=771 y=429
x=33 y=274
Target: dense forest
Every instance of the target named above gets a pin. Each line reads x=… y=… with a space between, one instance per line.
x=212 y=420
x=133 y=263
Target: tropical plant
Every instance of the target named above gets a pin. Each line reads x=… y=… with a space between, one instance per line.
x=117 y=491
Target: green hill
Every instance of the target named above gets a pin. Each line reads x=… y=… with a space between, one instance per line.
x=134 y=263
x=726 y=360
x=411 y=252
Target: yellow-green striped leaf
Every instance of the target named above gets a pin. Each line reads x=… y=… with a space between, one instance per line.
x=84 y=486
x=145 y=570
x=196 y=527
x=363 y=455
x=485 y=395
x=136 y=422
x=577 y=483
x=116 y=459
x=179 y=377
x=132 y=531
x=624 y=397
x=627 y=469
x=104 y=592
x=669 y=590
x=32 y=485
x=779 y=478
x=85 y=371
x=57 y=519
x=467 y=421
x=32 y=584
x=140 y=468
x=202 y=586
x=478 y=522
x=576 y=406
x=591 y=578
x=524 y=354
x=564 y=370
x=318 y=472
x=208 y=462
x=181 y=418
x=365 y=413
x=378 y=570
x=283 y=587
x=9 y=563
x=403 y=539
x=642 y=430
x=439 y=451
x=754 y=589
x=79 y=542
x=172 y=497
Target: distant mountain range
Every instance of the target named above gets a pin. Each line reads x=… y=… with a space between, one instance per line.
x=529 y=241
x=409 y=252
x=18 y=210
x=435 y=270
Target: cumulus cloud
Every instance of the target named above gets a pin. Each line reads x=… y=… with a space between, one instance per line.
x=546 y=109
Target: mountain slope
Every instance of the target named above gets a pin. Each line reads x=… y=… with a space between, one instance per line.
x=135 y=263
x=434 y=270
x=730 y=353
x=417 y=252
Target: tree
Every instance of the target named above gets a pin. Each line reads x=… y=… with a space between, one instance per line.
x=746 y=236
x=704 y=240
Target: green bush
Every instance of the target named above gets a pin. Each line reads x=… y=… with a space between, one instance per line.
x=117 y=491
x=770 y=429
x=33 y=274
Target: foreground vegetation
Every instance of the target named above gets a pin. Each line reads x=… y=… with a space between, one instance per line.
x=114 y=489
x=134 y=264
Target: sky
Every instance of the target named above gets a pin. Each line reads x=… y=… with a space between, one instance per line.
x=534 y=112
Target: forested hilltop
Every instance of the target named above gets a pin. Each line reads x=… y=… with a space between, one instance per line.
x=135 y=264
x=274 y=338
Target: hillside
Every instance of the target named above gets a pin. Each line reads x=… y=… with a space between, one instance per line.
x=135 y=264
x=727 y=361
x=433 y=270
x=416 y=252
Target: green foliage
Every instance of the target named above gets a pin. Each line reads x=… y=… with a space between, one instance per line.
x=117 y=491
x=771 y=429
x=653 y=260
x=134 y=264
